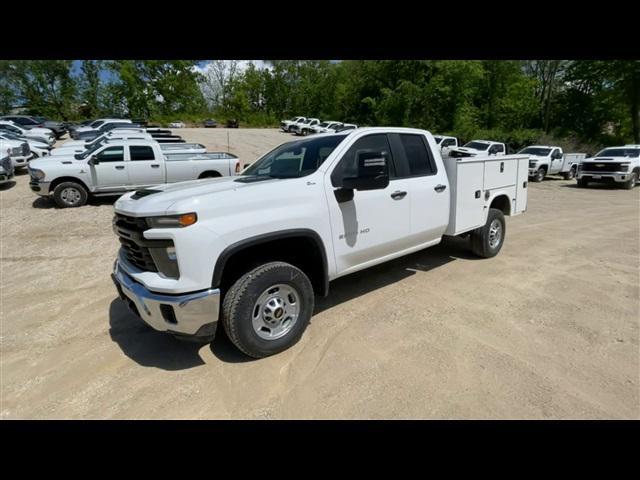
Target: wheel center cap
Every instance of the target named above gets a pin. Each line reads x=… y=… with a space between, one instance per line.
x=278 y=312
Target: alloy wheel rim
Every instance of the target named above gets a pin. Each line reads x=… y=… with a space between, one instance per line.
x=495 y=234
x=70 y=195
x=276 y=311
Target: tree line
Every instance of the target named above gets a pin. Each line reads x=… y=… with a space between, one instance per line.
x=514 y=101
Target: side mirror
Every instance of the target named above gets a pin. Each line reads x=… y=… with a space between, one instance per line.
x=94 y=160
x=373 y=172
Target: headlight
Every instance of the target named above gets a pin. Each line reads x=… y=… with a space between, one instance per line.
x=624 y=167
x=166 y=261
x=172 y=221
x=37 y=174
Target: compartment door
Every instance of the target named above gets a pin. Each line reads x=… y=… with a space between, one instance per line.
x=469 y=198
x=522 y=186
x=500 y=173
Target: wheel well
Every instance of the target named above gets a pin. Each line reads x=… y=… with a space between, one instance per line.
x=544 y=167
x=502 y=203
x=60 y=180
x=210 y=174
x=300 y=250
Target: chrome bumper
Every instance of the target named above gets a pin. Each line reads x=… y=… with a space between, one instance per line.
x=595 y=176
x=189 y=314
x=41 y=188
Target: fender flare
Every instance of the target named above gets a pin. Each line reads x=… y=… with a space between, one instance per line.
x=234 y=248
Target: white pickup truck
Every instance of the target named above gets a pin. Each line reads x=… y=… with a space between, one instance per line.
x=117 y=166
x=18 y=151
x=304 y=128
x=551 y=160
x=253 y=250
x=6 y=169
x=617 y=165
x=286 y=125
x=446 y=143
x=478 y=147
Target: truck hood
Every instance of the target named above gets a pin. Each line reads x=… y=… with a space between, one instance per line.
x=467 y=150
x=55 y=162
x=159 y=200
x=537 y=158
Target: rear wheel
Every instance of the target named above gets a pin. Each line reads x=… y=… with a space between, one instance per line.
x=570 y=174
x=267 y=309
x=633 y=179
x=487 y=240
x=70 y=194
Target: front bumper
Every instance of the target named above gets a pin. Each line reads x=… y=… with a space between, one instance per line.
x=21 y=161
x=619 y=177
x=190 y=314
x=41 y=188
x=5 y=177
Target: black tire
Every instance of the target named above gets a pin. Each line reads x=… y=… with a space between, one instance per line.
x=633 y=179
x=209 y=175
x=540 y=174
x=70 y=195
x=583 y=183
x=240 y=306
x=570 y=175
x=482 y=242
x=305 y=132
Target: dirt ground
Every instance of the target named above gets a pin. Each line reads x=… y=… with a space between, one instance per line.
x=547 y=329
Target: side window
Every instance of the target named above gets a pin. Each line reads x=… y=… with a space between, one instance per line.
x=111 y=154
x=418 y=155
x=141 y=152
x=347 y=166
x=448 y=142
x=499 y=148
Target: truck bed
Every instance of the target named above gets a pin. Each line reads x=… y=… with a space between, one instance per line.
x=476 y=181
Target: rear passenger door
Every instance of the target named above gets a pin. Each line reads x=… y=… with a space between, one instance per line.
x=427 y=186
x=144 y=168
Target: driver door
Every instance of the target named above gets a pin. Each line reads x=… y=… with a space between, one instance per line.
x=372 y=224
x=110 y=173
x=556 y=163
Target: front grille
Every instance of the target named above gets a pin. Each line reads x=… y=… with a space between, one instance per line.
x=532 y=163
x=25 y=149
x=601 y=166
x=129 y=230
x=15 y=151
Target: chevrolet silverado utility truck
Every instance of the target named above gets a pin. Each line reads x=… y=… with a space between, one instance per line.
x=252 y=251
x=551 y=160
x=116 y=166
x=478 y=147
x=617 y=165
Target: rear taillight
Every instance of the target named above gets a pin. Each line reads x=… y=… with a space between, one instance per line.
x=237 y=167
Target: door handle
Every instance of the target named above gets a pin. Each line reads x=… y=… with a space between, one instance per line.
x=155 y=165
x=398 y=195
x=440 y=188
x=119 y=167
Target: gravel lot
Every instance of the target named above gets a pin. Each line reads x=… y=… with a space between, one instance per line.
x=547 y=329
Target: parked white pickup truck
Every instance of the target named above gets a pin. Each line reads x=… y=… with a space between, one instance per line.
x=479 y=147
x=117 y=166
x=304 y=128
x=253 y=250
x=612 y=165
x=38 y=149
x=445 y=143
x=285 y=125
x=38 y=134
x=18 y=151
x=551 y=160
x=325 y=127
x=6 y=168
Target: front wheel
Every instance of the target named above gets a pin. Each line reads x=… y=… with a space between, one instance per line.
x=540 y=174
x=633 y=179
x=267 y=309
x=70 y=194
x=487 y=240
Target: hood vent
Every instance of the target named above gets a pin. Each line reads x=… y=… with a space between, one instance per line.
x=143 y=193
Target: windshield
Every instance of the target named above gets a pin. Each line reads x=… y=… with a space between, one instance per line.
x=294 y=159
x=87 y=152
x=96 y=124
x=541 y=152
x=619 y=152
x=477 y=145
x=324 y=124
x=40 y=119
x=437 y=139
